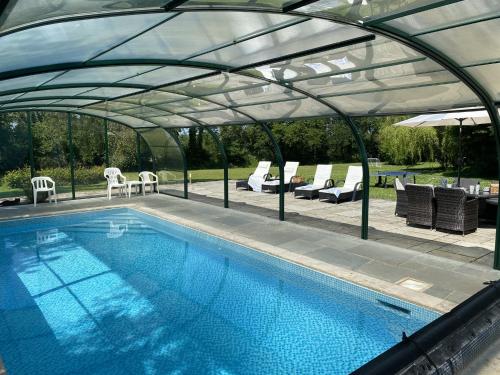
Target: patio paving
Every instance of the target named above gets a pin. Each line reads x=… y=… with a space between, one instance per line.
x=384 y=226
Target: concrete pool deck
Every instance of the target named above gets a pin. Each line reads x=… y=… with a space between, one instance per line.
x=384 y=226
x=445 y=282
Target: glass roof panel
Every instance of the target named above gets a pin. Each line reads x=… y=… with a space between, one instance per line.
x=144 y=112
x=488 y=77
x=223 y=117
x=133 y=121
x=29 y=103
x=311 y=34
x=68 y=42
x=364 y=10
x=188 y=105
x=55 y=92
x=255 y=94
x=379 y=53
x=5 y=98
x=422 y=99
x=26 y=82
x=152 y=97
x=442 y=17
x=166 y=75
x=368 y=81
x=76 y=102
x=19 y=12
x=287 y=109
x=113 y=106
x=471 y=44
x=173 y=121
x=108 y=74
x=109 y=92
x=96 y=112
x=216 y=84
x=194 y=32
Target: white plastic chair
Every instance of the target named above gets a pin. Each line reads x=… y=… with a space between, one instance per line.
x=43 y=184
x=113 y=176
x=149 y=178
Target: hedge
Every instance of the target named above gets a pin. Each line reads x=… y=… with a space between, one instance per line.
x=21 y=178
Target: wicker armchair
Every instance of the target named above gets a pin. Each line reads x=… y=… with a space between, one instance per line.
x=421 y=207
x=401 y=199
x=454 y=211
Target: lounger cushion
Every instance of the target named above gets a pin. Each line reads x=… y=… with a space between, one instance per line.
x=335 y=191
x=309 y=187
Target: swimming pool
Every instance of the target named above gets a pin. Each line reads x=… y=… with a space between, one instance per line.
x=121 y=292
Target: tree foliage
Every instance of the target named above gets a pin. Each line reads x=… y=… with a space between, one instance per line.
x=407 y=146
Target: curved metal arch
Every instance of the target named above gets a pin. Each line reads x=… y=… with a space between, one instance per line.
x=83 y=86
x=32 y=109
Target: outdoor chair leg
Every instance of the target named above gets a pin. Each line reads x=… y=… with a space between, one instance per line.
x=34 y=198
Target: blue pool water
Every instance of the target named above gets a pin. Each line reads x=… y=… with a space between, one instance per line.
x=121 y=292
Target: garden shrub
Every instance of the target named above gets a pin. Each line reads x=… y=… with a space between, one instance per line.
x=21 y=178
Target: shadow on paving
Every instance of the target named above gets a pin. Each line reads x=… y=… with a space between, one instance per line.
x=473 y=254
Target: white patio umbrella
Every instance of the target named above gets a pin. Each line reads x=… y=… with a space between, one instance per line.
x=466 y=118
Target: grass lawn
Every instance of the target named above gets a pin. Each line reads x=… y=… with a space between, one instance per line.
x=430 y=173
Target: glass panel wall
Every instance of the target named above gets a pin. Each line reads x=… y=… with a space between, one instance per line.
x=89 y=152
x=168 y=160
x=51 y=150
x=14 y=156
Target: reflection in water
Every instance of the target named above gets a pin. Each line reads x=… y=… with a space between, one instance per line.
x=116 y=230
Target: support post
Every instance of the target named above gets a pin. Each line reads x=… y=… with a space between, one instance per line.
x=495 y=121
x=366 y=177
x=225 y=164
x=71 y=156
x=138 y=151
x=460 y=156
x=184 y=160
x=106 y=143
x=281 y=164
x=30 y=144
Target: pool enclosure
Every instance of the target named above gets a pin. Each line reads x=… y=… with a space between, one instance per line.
x=159 y=66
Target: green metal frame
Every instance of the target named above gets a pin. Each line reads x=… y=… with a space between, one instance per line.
x=138 y=151
x=30 y=144
x=71 y=155
x=281 y=165
x=106 y=143
x=225 y=163
x=184 y=159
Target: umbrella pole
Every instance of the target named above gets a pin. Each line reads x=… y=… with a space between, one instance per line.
x=460 y=157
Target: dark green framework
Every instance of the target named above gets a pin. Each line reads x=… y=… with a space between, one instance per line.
x=375 y=25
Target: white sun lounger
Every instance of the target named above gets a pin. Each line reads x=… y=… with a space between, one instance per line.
x=352 y=184
x=290 y=172
x=322 y=180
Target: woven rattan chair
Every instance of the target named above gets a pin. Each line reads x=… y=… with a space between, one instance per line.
x=421 y=207
x=454 y=211
x=401 y=199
